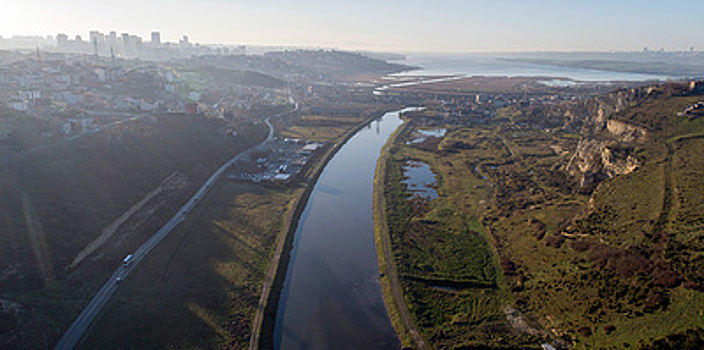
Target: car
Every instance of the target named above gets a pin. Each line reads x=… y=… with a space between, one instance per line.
x=118 y=280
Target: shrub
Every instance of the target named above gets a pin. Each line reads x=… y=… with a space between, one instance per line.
x=585 y=331
x=655 y=301
x=581 y=245
x=554 y=241
x=666 y=278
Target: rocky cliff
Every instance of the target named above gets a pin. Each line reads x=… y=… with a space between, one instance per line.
x=607 y=146
x=596 y=160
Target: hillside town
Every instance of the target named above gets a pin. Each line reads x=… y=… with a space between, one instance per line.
x=70 y=87
x=77 y=94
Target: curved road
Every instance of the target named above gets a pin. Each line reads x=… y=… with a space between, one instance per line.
x=74 y=334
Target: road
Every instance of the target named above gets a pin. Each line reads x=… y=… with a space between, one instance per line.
x=74 y=334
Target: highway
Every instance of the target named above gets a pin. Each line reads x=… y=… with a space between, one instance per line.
x=74 y=333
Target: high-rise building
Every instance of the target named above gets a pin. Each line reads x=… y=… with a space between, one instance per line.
x=62 y=41
x=184 y=43
x=156 y=39
x=125 y=50
x=94 y=35
x=97 y=39
x=112 y=43
x=135 y=45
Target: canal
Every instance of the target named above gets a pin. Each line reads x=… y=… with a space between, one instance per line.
x=331 y=298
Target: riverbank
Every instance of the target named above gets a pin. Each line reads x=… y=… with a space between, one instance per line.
x=391 y=288
x=441 y=280
x=263 y=328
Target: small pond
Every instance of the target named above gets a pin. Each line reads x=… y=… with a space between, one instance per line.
x=420 y=180
x=419 y=136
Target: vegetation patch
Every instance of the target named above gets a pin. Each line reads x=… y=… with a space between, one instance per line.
x=199 y=288
x=55 y=199
x=610 y=264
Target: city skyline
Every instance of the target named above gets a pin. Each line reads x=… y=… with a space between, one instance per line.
x=411 y=26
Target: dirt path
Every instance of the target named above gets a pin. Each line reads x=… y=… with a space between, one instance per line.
x=667 y=195
x=397 y=294
x=108 y=231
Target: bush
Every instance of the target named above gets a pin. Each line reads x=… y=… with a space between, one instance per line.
x=666 y=278
x=507 y=266
x=585 y=331
x=555 y=241
x=580 y=246
x=692 y=339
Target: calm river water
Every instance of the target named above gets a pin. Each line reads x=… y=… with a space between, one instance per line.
x=331 y=298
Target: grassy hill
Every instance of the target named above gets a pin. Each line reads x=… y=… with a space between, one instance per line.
x=57 y=200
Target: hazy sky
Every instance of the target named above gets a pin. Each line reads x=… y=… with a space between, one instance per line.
x=394 y=25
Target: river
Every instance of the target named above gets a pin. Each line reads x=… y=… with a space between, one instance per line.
x=331 y=298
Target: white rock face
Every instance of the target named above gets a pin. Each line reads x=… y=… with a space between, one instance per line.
x=600 y=159
x=626 y=132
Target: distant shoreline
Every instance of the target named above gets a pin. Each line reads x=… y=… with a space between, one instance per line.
x=576 y=66
x=650 y=68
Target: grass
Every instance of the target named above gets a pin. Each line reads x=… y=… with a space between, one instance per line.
x=56 y=200
x=635 y=200
x=321 y=134
x=685 y=312
x=450 y=277
x=395 y=304
x=601 y=270
x=199 y=288
x=320 y=128
x=567 y=286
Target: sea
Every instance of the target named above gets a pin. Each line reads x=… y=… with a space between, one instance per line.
x=494 y=65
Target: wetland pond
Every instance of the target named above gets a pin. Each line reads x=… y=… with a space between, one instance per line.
x=420 y=180
x=421 y=135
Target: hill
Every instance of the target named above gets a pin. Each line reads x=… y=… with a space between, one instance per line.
x=299 y=65
x=576 y=223
x=70 y=211
x=337 y=64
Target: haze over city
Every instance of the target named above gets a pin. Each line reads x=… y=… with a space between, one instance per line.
x=409 y=26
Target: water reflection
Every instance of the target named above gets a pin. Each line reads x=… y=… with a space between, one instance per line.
x=331 y=298
x=422 y=135
x=420 y=180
